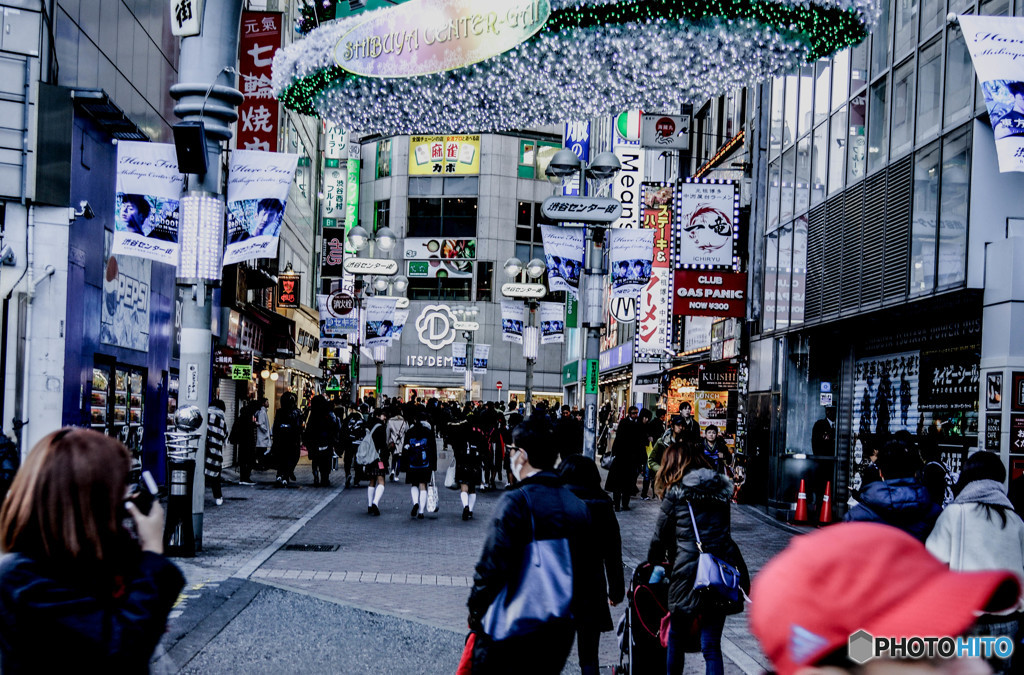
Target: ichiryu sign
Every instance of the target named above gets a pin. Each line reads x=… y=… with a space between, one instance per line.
x=433 y=36
x=371 y=266
x=516 y=290
x=581 y=209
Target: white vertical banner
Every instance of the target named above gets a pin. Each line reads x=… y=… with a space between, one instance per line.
x=401 y=316
x=563 y=251
x=512 y=321
x=481 y=353
x=996 y=44
x=552 y=322
x=146 y=207
x=626 y=184
x=459 y=357
x=258 y=185
x=708 y=228
x=380 y=320
x=630 y=254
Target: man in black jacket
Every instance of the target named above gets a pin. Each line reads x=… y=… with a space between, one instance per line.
x=541 y=509
x=568 y=434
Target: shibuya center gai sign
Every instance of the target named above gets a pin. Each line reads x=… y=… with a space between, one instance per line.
x=432 y=36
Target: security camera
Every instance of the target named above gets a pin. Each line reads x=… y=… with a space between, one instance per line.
x=7 y=256
x=86 y=210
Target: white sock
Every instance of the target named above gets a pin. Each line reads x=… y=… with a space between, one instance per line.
x=369 y=495
x=472 y=502
x=423 y=501
x=377 y=493
x=415 y=494
x=464 y=496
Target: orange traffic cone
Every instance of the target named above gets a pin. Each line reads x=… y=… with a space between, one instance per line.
x=826 y=505
x=801 y=504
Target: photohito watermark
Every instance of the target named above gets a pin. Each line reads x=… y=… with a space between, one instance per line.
x=864 y=646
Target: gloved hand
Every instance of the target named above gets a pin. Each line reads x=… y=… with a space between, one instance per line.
x=657 y=574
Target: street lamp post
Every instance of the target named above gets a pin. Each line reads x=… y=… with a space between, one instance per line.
x=385 y=285
x=564 y=165
x=467 y=324
x=359 y=239
x=534 y=270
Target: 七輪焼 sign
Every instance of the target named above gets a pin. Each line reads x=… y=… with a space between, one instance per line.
x=432 y=36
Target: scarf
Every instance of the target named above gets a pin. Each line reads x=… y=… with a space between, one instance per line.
x=983 y=492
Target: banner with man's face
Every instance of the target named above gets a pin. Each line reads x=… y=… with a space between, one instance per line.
x=563 y=251
x=258 y=185
x=146 y=205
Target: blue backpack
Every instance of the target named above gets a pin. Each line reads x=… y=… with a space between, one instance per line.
x=418 y=454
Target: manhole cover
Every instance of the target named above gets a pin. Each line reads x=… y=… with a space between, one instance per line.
x=313 y=548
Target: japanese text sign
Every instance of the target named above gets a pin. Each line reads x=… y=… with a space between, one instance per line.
x=258 y=113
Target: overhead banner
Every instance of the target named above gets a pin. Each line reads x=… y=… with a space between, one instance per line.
x=401 y=316
x=708 y=223
x=380 y=321
x=654 y=311
x=444 y=155
x=258 y=114
x=481 y=353
x=146 y=205
x=512 y=321
x=339 y=314
x=552 y=323
x=333 y=251
x=258 y=185
x=459 y=357
x=996 y=44
x=563 y=250
x=630 y=255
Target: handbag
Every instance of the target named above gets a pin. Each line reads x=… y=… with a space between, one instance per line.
x=606 y=461
x=713 y=572
x=543 y=592
x=449 y=476
x=432 y=505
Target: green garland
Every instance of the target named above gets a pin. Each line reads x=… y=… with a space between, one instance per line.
x=826 y=30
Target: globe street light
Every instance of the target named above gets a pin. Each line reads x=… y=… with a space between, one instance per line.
x=535 y=269
x=464 y=315
x=358 y=237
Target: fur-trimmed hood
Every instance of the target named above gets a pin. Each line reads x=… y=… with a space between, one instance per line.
x=704 y=484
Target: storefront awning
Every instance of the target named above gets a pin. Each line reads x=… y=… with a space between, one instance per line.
x=432 y=380
x=303 y=367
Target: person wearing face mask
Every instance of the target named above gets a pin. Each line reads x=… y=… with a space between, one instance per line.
x=538 y=508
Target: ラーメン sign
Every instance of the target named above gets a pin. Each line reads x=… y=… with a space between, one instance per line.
x=433 y=36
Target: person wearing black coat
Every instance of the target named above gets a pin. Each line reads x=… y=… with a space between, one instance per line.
x=686 y=479
x=604 y=575
x=538 y=508
x=629 y=455
x=287 y=438
x=568 y=434
x=469 y=445
x=321 y=435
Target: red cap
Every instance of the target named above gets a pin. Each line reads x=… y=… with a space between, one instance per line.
x=808 y=600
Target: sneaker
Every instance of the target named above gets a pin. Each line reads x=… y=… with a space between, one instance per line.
x=465 y=513
x=374 y=510
x=218 y=501
x=280 y=482
x=415 y=510
x=420 y=516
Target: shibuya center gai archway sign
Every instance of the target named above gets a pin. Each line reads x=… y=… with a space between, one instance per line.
x=448 y=66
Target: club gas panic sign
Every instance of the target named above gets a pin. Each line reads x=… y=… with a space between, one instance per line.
x=705 y=293
x=432 y=36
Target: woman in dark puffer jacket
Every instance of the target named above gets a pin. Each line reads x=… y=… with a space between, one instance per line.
x=687 y=478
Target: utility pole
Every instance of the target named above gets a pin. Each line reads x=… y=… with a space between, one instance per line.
x=205 y=93
x=531 y=322
x=593 y=321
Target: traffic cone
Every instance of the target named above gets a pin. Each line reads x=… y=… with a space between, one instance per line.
x=826 y=505
x=801 y=504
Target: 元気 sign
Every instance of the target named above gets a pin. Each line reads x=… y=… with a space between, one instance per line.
x=707 y=293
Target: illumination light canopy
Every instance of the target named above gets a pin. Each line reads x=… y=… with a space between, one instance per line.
x=591 y=58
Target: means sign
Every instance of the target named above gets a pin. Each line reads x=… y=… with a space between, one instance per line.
x=514 y=290
x=371 y=266
x=582 y=209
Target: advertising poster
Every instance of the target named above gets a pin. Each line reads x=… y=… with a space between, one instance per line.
x=259 y=40
x=654 y=305
x=124 y=318
x=630 y=257
x=258 y=185
x=146 y=204
x=706 y=293
x=996 y=44
x=512 y=321
x=563 y=250
x=444 y=155
x=552 y=323
x=420 y=248
x=885 y=394
x=950 y=379
x=712 y=407
x=481 y=353
x=459 y=357
x=338 y=314
x=380 y=321
x=401 y=316
x=707 y=223
x=333 y=252
x=627 y=182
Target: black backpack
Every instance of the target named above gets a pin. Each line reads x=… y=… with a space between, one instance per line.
x=287 y=427
x=417 y=452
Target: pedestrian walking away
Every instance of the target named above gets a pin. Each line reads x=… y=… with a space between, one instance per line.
x=353 y=431
x=287 y=440
x=216 y=434
x=396 y=428
x=695 y=518
x=628 y=455
x=603 y=574
x=243 y=435
x=420 y=455
x=372 y=458
x=263 y=436
x=469 y=446
x=321 y=437
x=75 y=587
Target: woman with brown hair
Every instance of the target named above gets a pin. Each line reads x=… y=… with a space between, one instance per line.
x=76 y=588
x=696 y=499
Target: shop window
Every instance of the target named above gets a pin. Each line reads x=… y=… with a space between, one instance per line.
x=453 y=217
x=856 y=141
x=959 y=78
x=440 y=288
x=881 y=48
x=384 y=158
x=381 y=214
x=819 y=156
x=929 y=103
x=529 y=239
x=878 y=114
x=902 y=133
x=534 y=157
x=484 y=281
x=905 y=26
x=837 y=152
x=953 y=209
x=925 y=212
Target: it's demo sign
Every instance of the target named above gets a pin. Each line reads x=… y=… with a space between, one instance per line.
x=705 y=293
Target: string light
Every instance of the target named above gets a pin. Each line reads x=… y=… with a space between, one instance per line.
x=592 y=58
